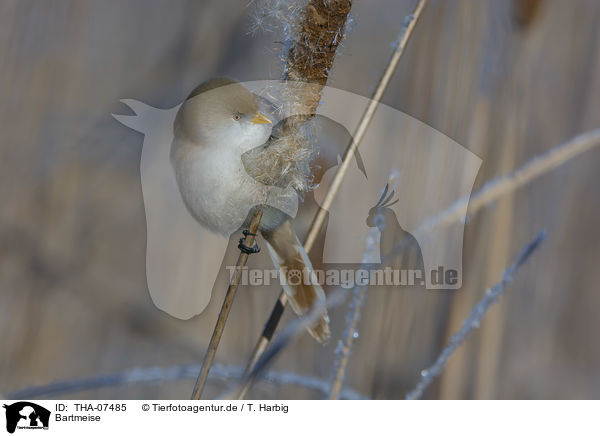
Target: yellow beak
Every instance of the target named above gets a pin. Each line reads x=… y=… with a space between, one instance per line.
x=261 y=119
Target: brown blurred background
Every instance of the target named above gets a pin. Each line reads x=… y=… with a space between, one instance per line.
x=506 y=79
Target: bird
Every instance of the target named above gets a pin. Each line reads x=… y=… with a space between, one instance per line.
x=394 y=236
x=217 y=124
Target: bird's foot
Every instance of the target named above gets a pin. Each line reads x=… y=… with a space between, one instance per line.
x=244 y=248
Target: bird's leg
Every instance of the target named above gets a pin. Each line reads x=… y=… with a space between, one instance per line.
x=244 y=248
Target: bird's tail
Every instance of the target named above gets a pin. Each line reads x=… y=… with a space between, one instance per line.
x=300 y=285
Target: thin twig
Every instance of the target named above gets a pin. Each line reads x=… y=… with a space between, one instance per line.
x=352 y=320
x=496 y=188
x=500 y=186
x=474 y=319
x=320 y=217
x=177 y=372
x=227 y=303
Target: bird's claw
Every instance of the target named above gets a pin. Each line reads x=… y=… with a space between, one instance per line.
x=244 y=248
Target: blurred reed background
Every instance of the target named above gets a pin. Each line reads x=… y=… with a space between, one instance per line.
x=507 y=79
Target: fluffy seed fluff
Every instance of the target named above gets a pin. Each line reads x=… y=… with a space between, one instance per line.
x=285 y=159
x=312 y=30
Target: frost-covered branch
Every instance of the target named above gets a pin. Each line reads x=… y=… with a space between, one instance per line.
x=353 y=316
x=506 y=184
x=474 y=319
x=178 y=372
x=500 y=186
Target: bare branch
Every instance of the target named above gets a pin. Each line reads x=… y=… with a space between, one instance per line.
x=178 y=372
x=496 y=188
x=474 y=319
x=503 y=185
x=352 y=319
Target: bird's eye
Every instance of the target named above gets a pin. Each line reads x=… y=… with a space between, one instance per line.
x=237 y=117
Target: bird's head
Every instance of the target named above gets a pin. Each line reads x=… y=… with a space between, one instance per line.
x=222 y=112
x=376 y=213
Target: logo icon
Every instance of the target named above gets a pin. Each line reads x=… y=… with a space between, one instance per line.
x=26 y=415
x=415 y=171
